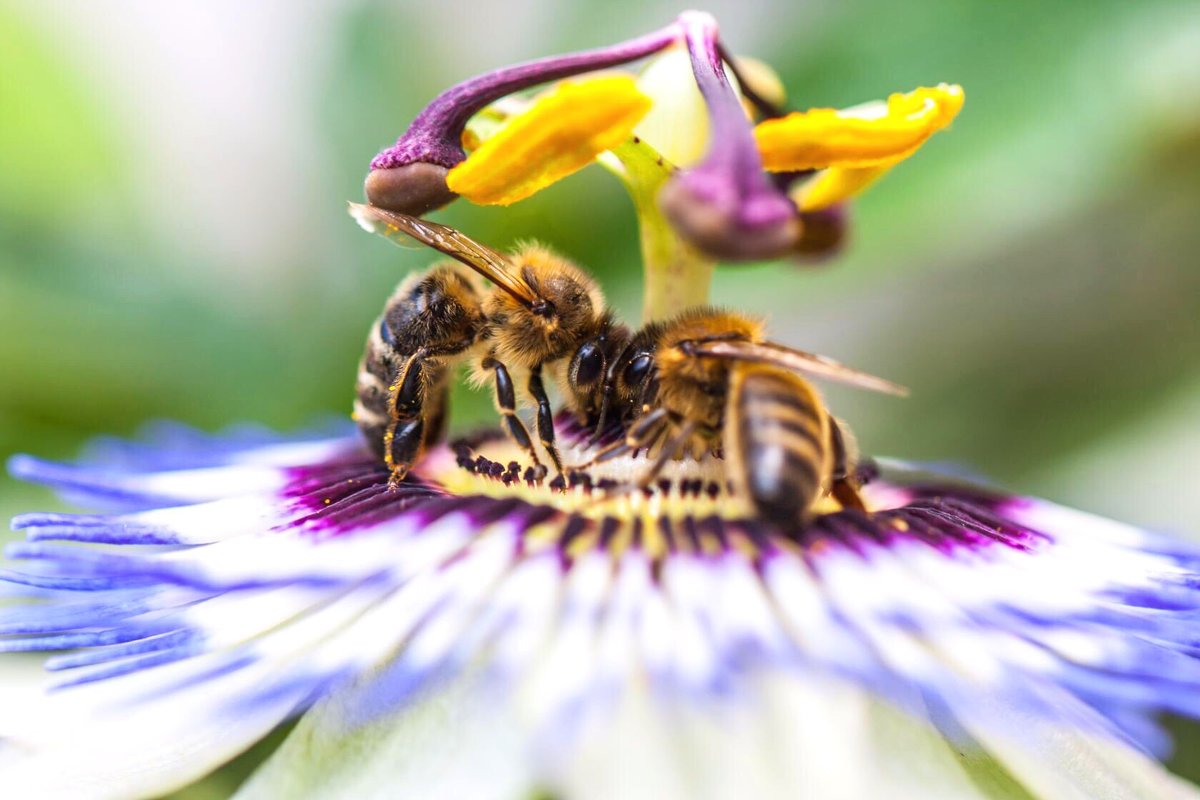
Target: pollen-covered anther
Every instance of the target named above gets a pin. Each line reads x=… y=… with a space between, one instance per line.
x=560 y=134
x=853 y=147
x=864 y=136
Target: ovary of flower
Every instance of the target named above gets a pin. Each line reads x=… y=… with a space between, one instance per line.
x=561 y=133
x=854 y=147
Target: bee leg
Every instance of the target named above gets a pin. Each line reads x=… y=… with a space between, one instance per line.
x=668 y=451
x=642 y=432
x=545 y=416
x=842 y=484
x=506 y=403
x=402 y=444
x=649 y=394
x=405 y=434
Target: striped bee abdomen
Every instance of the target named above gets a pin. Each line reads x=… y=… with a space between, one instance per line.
x=430 y=322
x=777 y=438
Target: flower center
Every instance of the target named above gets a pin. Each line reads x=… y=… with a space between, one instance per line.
x=605 y=504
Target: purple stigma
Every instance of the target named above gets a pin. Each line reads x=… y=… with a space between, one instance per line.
x=435 y=135
x=726 y=205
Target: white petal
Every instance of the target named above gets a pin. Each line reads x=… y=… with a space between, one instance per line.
x=1057 y=760
x=454 y=742
x=801 y=738
x=146 y=752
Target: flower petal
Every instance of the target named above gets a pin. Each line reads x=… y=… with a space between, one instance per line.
x=71 y=745
x=791 y=736
x=559 y=135
x=454 y=741
x=567 y=609
x=1062 y=761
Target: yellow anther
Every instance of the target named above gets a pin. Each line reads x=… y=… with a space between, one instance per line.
x=854 y=147
x=831 y=186
x=869 y=136
x=561 y=133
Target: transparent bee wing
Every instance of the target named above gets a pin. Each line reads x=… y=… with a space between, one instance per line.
x=408 y=231
x=797 y=361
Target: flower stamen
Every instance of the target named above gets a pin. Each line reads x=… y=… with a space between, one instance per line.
x=854 y=147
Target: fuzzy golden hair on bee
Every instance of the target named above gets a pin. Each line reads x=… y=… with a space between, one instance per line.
x=433 y=316
x=694 y=384
x=708 y=324
x=570 y=307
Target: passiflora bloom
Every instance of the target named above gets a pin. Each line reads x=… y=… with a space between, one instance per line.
x=474 y=631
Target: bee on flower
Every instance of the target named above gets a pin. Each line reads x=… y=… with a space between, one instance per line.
x=685 y=607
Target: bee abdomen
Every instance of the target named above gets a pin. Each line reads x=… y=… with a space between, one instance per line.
x=371 y=412
x=777 y=436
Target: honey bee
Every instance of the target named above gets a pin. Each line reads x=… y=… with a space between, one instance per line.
x=707 y=379
x=710 y=378
x=541 y=313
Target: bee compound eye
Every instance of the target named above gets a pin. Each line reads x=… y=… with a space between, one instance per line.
x=385 y=332
x=589 y=364
x=637 y=370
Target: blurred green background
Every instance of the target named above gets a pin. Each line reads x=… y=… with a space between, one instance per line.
x=173 y=241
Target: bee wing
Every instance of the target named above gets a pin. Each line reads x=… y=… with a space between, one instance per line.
x=405 y=230
x=797 y=361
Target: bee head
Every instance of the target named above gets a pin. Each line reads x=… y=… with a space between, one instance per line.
x=588 y=368
x=568 y=310
x=628 y=376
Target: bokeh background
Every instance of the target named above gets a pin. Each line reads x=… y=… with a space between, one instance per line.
x=173 y=241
